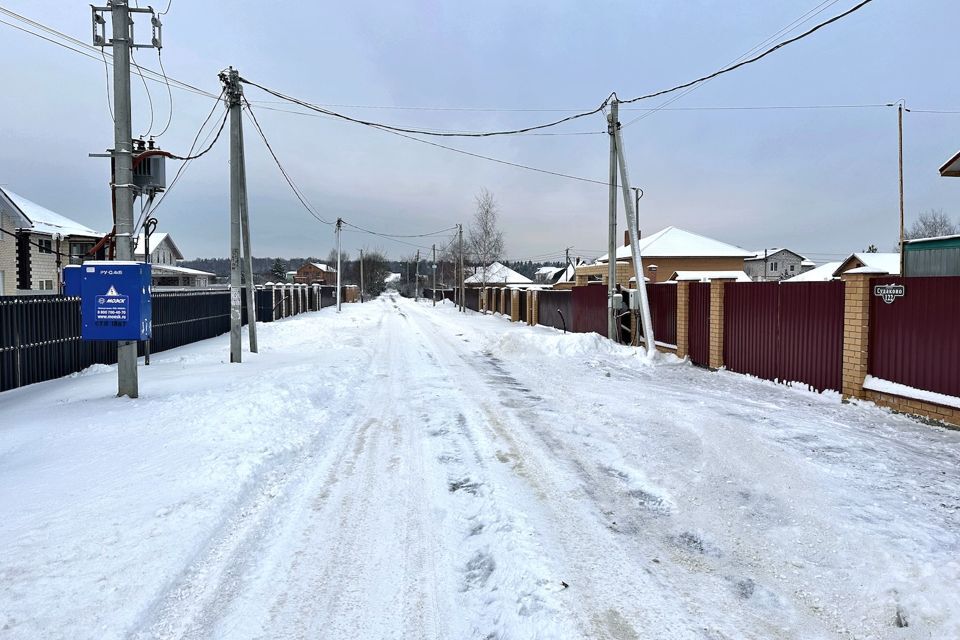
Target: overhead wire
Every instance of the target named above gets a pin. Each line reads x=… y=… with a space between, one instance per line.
x=300 y=196
x=169 y=92
x=753 y=59
x=133 y=60
x=809 y=15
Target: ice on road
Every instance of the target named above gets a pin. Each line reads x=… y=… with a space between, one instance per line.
x=404 y=471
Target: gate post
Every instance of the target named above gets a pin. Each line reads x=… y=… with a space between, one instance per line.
x=716 y=321
x=514 y=305
x=683 y=312
x=856 y=330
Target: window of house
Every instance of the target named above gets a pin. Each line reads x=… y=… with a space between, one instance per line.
x=793 y=267
x=773 y=266
x=45 y=246
x=45 y=285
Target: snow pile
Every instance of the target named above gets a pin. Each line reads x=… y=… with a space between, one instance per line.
x=551 y=342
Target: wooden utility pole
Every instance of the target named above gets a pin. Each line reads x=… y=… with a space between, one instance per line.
x=900 y=147
x=361 y=276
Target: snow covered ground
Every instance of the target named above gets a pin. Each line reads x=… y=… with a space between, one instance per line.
x=404 y=471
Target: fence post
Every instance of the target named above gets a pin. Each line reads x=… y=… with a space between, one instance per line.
x=514 y=305
x=716 y=321
x=683 y=311
x=856 y=330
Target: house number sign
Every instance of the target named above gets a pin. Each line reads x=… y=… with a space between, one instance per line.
x=889 y=292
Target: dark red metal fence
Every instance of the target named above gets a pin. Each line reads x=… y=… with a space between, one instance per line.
x=523 y=305
x=792 y=332
x=915 y=340
x=589 y=309
x=550 y=306
x=698 y=323
x=663 y=311
x=508 y=303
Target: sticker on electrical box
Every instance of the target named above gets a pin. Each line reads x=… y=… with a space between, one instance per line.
x=112 y=308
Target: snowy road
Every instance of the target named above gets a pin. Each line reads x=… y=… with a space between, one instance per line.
x=400 y=471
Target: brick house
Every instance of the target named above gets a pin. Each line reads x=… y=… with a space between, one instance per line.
x=45 y=242
x=666 y=252
x=776 y=264
x=315 y=273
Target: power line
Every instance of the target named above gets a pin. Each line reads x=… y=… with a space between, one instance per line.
x=169 y=91
x=398 y=235
x=146 y=89
x=742 y=63
x=427 y=132
x=296 y=191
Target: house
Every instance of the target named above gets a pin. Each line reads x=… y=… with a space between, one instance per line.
x=547 y=275
x=938 y=256
x=889 y=262
x=164 y=255
x=666 y=252
x=775 y=264
x=496 y=274
x=315 y=273
x=45 y=242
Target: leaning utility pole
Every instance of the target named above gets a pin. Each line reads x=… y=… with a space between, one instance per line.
x=241 y=265
x=416 y=283
x=612 y=322
x=633 y=228
x=463 y=292
x=339 y=224
x=122 y=153
x=361 y=276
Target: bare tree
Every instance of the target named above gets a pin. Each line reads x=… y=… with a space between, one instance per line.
x=930 y=224
x=484 y=238
x=375 y=272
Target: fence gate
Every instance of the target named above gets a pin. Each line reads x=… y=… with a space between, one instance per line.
x=590 y=309
x=698 y=323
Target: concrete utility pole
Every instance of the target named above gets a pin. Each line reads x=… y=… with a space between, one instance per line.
x=463 y=291
x=416 y=284
x=434 y=275
x=633 y=227
x=339 y=224
x=612 y=124
x=122 y=153
x=241 y=262
x=361 y=276
x=233 y=94
x=900 y=146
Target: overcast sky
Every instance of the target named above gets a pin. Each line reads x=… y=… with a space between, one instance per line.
x=820 y=181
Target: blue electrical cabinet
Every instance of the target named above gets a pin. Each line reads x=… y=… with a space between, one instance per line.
x=115 y=301
x=71 y=280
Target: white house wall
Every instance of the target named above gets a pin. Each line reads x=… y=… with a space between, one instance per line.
x=8 y=257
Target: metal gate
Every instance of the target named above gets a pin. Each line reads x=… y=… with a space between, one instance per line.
x=698 y=323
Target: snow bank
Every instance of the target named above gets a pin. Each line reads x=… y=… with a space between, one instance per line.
x=551 y=342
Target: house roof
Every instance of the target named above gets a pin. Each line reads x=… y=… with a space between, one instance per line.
x=932 y=238
x=769 y=253
x=42 y=220
x=819 y=274
x=497 y=273
x=156 y=239
x=701 y=276
x=889 y=262
x=951 y=168
x=322 y=267
x=673 y=242
x=180 y=271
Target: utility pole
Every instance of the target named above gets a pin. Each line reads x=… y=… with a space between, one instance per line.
x=900 y=131
x=245 y=225
x=633 y=227
x=361 y=276
x=122 y=153
x=233 y=94
x=339 y=224
x=416 y=282
x=463 y=291
x=612 y=124
x=434 y=274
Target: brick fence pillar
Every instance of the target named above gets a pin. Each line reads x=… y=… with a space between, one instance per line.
x=716 y=321
x=515 y=305
x=683 y=310
x=856 y=331
x=533 y=313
